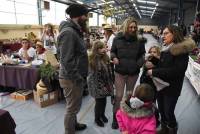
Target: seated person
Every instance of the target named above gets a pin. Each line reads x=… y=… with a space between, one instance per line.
x=40 y=50
x=26 y=52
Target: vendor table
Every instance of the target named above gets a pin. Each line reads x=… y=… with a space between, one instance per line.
x=18 y=77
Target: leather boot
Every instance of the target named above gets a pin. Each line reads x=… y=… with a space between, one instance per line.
x=99 y=122
x=172 y=130
x=164 y=129
x=103 y=108
x=97 y=112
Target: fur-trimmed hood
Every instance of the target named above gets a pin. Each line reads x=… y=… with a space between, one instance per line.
x=184 y=47
x=137 y=113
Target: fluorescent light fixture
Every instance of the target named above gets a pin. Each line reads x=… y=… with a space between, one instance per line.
x=134 y=5
x=145 y=11
x=144 y=7
x=109 y=2
x=147 y=2
x=79 y=2
x=153 y=14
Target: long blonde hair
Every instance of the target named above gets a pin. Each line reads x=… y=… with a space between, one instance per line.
x=126 y=23
x=156 y=48
x=94 y=55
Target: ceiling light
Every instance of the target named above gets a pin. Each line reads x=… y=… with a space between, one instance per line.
x=147 y=2
x=145 y=7
x=145 y=11
x=109 y=2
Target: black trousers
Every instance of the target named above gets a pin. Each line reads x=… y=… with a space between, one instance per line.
x=100 y=107
x=166 y=107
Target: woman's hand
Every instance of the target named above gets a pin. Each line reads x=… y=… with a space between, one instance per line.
x=115 y=61
x=149 y=72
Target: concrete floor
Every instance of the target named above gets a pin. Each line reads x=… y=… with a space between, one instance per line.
x=31 y=119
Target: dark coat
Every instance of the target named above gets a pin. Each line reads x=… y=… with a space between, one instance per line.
x=72 y=51
x=130 y=53
x=172 y=66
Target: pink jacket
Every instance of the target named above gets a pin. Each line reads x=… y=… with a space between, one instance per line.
x=136 y=121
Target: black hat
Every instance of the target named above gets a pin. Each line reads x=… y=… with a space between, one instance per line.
x=76 y=10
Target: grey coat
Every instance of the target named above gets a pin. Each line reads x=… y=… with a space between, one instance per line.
x=72 y=52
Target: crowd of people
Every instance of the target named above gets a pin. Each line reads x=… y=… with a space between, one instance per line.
x=114 y=65
x=111 y=68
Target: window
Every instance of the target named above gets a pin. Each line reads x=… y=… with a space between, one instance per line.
x=55 y=15
x=18 y=12
x=26 y=12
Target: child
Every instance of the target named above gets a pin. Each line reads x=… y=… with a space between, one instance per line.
x=151 y=62
x=136 y=115
x=153 y=57
x=99 y=80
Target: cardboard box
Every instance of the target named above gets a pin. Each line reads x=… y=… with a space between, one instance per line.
x=22 y=95
x=46 y=99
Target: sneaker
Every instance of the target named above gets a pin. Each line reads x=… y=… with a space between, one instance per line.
x=79 y=126
x=99 y=123
x=104 y=119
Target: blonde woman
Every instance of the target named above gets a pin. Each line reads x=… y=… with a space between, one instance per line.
x=127 y=53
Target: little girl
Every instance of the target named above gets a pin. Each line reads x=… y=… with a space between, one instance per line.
x=136 y=115
x=99 y=80
x=152 y=62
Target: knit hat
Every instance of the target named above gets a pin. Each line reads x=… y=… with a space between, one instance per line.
x=76 y=10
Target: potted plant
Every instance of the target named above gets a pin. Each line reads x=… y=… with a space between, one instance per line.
x=48 y=74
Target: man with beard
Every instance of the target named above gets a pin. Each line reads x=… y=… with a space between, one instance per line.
x=73 y=63
x=127 y=54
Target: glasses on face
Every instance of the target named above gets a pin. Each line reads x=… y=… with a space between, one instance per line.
x=165 y=33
